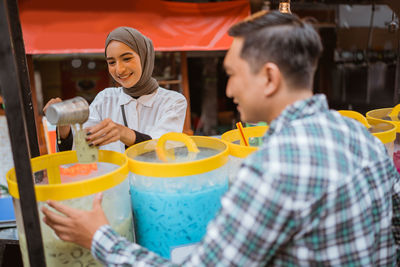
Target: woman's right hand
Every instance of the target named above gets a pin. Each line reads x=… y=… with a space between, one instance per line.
x=51 y=102
x=63 y=130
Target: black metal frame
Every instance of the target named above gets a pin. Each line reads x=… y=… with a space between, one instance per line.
x=397 y=76
x=15 y=88
x=19 y=50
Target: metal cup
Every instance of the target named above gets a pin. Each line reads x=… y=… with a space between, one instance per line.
x=71 y=111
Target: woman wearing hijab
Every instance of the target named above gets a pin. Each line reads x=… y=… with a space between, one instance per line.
x=137 y=111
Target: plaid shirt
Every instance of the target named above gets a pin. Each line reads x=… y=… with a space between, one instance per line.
x=320 y=191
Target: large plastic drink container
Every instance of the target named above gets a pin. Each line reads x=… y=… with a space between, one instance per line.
x=385 y=131
x=76 y=191
x=238 y=151
x=176 y=186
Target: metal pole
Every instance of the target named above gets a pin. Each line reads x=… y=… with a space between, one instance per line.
x=397 y=75
x=19 y=49
x=187 y=129
x=11 y=87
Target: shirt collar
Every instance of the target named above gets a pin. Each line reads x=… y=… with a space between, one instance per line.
x=145 y=100
x=298 y=110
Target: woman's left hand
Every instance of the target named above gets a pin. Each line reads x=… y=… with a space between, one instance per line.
x=103 y=133
x=76 y=226
x=107 y=132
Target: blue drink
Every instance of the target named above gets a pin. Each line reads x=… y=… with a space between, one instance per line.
x=167 y=220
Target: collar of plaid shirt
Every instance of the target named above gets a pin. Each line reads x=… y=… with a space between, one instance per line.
x=299 y=109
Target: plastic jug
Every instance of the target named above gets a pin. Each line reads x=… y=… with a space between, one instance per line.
x=176 y=187
x=76 y=191
x=383 y=130
x=237 y=150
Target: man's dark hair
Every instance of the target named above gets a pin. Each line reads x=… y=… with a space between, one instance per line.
x=284 y=39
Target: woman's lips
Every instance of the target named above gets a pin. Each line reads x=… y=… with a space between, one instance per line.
x=125 y=77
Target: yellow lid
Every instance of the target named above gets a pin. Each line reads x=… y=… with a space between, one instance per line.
x=163 y=154
x=59 y=191
x=177 y=169
x=386 y=114
x=383 y=130
x=242 y=151
x=355 y=115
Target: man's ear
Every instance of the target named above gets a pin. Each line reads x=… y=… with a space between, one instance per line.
x=273 y=78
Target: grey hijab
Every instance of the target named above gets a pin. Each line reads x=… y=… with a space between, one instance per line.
x=143 y=46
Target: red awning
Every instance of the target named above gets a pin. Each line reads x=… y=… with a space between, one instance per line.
x=81 y=26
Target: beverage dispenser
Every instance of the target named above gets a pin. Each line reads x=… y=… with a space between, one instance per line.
x=237 y=150
x=75 y=185
x=176 y=186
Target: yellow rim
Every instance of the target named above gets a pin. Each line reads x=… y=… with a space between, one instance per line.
x=166 y=170
x=242 y=151
x=387 y=136
x=74 y=189
x=356 y=116
x=395 y=112
x=379 y=114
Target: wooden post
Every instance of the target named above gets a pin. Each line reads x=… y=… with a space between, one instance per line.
x=187 y=129
x=38 y=118
x=14 y=83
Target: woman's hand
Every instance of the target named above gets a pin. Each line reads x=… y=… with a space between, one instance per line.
x=51 y=102
x=77 y=226
x=63 y=130
x=107 y=132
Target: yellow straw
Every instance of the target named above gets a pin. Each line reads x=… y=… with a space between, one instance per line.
x=240 y=127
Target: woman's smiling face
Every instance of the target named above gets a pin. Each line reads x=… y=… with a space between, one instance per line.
x=123 y=64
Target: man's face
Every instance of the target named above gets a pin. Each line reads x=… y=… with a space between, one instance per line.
x=244 y=86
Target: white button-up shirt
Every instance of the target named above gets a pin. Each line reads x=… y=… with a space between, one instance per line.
x=161 y=112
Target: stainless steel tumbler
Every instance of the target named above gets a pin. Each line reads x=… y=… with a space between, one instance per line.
x=71 y=111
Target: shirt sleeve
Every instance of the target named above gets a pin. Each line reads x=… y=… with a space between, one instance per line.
x=396 y=208
x=65 y=144
x=95 y=111
x=253 y=223
x=140 y=137
x=171 y=120
x=112 y=250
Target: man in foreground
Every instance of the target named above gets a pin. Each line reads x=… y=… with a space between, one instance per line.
x=320 y=191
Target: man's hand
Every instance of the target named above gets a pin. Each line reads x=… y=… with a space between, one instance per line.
x=77 y=226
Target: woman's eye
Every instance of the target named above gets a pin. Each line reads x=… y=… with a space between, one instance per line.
x=126 y=59
x=110 y=63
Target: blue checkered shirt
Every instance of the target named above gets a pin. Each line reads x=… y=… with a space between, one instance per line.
x=321 y=191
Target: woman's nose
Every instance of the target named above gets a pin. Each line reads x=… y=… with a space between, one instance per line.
x=120 y=68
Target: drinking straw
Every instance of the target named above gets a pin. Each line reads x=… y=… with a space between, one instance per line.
x=240 y=128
